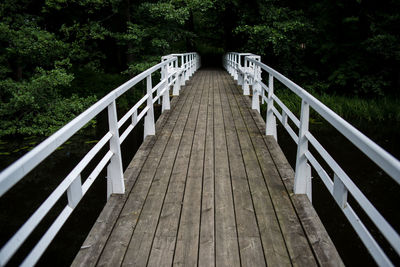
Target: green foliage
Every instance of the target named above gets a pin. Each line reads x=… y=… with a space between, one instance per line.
x=58 y=56
x=352 y=109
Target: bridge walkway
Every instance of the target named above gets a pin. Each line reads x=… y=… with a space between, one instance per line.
x=209 y=189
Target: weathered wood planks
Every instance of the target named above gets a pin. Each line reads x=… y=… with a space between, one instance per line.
x=209 y=189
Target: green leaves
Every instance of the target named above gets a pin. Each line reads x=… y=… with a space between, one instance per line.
x=166 y=11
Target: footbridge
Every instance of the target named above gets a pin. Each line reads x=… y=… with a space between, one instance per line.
x=209 y=185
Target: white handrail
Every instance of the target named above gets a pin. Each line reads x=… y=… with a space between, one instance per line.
x=248 y=72
x=72 y=183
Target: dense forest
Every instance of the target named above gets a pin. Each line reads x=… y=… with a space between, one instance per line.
x=57 y=57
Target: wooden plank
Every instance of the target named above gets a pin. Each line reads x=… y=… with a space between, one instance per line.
x=186 y=252
x=101 y=230
x=207 y=227
x=251 y=250
x=322 y=245
x=209 y=189
x=226 y=243
x=295 y=239
x=273 y=242
x=141 y=242
x=163 y=247
x=118 y=241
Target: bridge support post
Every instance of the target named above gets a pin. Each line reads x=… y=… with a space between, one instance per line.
x=165 y=88
x=302 y=179
x=165 y=99
x=74 y=192
x=255 y=101
x=270 y=128
x=115 y=176
x=149 y=127
x=245 y=85
x=187 y=68
x=235 y=71
x=191 y=65
x=177 y=84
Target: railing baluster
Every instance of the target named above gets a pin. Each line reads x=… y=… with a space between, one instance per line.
x=270 y=126
x=255 y=103
x=245 y=86
x=134 y=118
x=182 y=74
x=302 y=173
x=187 y=67
x=177 y=83
x=284 y=118
x=115 y=175
x=149 y=127
x=74 y=192
x=235 y=73
x=165 y=96
x=339 y=191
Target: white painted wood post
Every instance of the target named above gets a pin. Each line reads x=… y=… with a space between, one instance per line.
x=182 y=73
x=165 y=96
x=187 y=67
x=246 y=90
x=74 y=192
x=339 y=192
x=240 y=75
x=231 y=64
x=177 y=84
x=255 y=103
x=262 y=95
x=115 y=177
x=191 y=65
x=235 y=73
x=302 y=173
x=149 y=127
x=134 y=118
x=270 y=128
x=229 y=56
x=309 y=182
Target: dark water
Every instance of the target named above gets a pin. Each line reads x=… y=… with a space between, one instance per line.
x=23 y=199
x=18 y=204
x=378 y=187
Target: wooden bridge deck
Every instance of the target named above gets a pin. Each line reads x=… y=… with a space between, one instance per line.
x=209 y=189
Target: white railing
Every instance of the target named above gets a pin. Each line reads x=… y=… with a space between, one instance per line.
x=173 y=73
x=246 y=69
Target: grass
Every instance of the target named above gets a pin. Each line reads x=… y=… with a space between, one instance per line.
x=352 y=109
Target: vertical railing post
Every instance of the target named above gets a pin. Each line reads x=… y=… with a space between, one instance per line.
x=165 y=87
x=339 y=191
x=240 y=74
x=191 y=65
x=245 y=86
x=115 y=177
x=255 y=103
x=134 y=118
x=187 y=67
x=231 y=64
x=177 y=83
x=302 y=179
x=270 y=128
x=235 y=73
x=149 y=127
x=183 y=80
x=74 y=192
